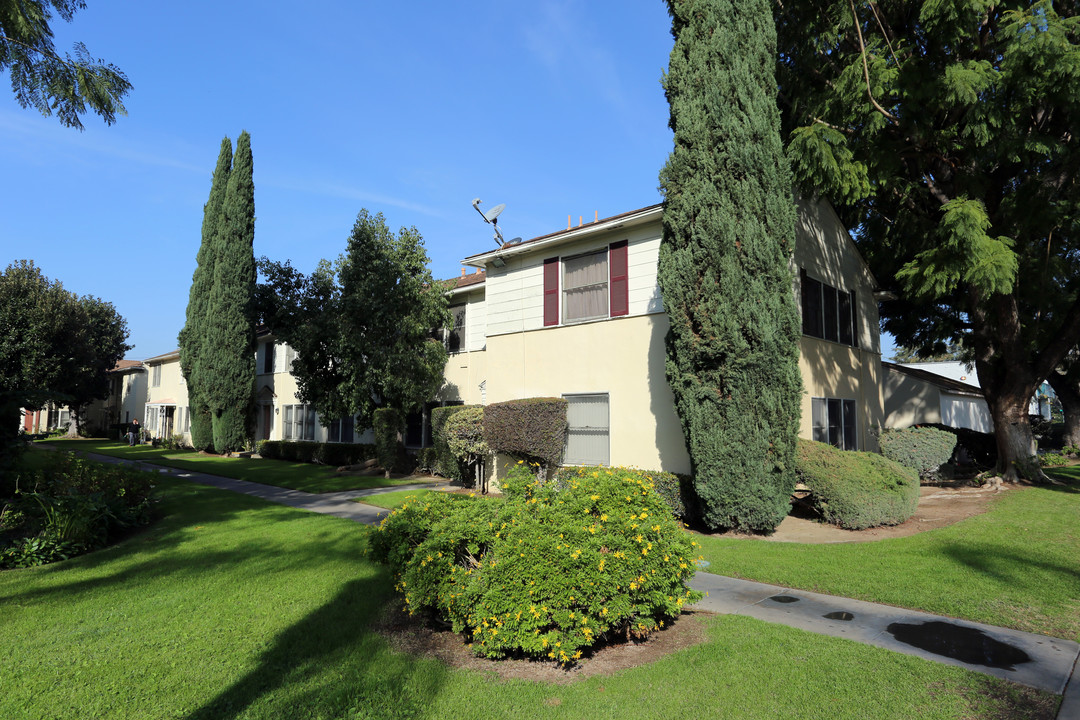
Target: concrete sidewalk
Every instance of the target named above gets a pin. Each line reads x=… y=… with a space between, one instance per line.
x=1037 y=661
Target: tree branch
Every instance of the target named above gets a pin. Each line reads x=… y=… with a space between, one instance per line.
x=866 y=67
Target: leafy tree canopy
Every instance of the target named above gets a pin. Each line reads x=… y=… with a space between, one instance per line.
x=56 y=346
x=946 y=134
x=42 y=78
x=361 y=326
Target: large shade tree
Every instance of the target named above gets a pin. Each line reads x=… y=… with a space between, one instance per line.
x=362 y=327
x=946 y=135
x=44 y=79
x=56 y=346
x=729 y=230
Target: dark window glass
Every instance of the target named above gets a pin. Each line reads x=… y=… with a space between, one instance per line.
x=844 y=310
x=828 y=310
x=811 y=307
x=849 y=425
x=414 y=429
x=455 y=336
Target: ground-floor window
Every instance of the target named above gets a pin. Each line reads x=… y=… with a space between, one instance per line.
x=341 y=430
x=835 y=422
x=588 y=430
x=299 y=422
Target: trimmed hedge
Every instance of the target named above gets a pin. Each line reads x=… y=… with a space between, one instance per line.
x=532 y=429
x=548 y=573
x=856 y=490
x=923 y=449
x=446 y=463
x=675 y=490
x=335 y=454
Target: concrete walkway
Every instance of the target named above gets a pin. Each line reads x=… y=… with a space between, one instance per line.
x=1037 y=661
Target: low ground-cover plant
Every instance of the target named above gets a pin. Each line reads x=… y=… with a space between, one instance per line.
x=69 y=507
x=551 y=571
x=923 y=449
x=856 y=490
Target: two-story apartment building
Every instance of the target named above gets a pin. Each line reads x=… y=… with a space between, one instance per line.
x=279 y=414
x=578 y=314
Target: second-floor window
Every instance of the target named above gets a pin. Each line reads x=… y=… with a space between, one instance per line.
x=455 y=334
x=155 y=376
x=268 y=357
x=590 y=286
x=827 y=312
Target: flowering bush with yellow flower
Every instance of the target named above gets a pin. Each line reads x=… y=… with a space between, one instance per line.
x=552 y=571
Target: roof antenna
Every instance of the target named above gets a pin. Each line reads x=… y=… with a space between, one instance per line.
x=492 y=217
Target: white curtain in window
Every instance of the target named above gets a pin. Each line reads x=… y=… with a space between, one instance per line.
x=585 y=280
x=587 y=432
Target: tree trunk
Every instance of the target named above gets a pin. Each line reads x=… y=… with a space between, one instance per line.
x=1015 y=444
x=75 y=424
x=1068 y=391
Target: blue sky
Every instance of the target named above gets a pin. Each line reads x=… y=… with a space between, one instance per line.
x=410 y=109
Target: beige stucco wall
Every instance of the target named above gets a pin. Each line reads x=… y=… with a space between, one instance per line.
x=623 y=357
x=465 y=377
x=829 y=369
x=832 y=370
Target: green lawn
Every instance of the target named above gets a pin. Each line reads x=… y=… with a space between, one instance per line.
x=1018 y=565
x=391 y=500
x=297 y=476
x=231 y=608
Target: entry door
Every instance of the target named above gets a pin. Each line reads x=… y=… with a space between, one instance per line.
x=267 y=417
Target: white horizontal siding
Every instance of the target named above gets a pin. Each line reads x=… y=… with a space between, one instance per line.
x=515 y=294
x=476 y=322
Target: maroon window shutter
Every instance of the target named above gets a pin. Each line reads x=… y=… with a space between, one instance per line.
x=551 y=291
x=619 y=286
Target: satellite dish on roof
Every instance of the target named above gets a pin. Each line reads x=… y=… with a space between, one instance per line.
x=491 y=217
x=512 y=242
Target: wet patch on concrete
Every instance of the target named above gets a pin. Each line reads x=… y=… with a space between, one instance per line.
x=839 y=615
x=784 y=599
x=965 y=644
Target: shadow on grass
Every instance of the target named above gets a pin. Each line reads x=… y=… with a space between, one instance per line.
x=156 y=552
x=330 y=664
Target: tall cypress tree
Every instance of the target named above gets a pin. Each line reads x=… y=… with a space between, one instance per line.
x=228 y=362
x=192 y=337
x=729 y=228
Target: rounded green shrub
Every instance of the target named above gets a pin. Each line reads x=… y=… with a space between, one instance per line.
x=676 y=490
x=445 y=463
x=857 y=490
x=923 y=449
x=549 y=572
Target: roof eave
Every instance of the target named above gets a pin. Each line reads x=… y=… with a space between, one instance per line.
x=633 y=218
